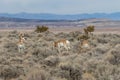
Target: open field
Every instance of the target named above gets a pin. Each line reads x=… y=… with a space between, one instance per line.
x=101 y=25
x=40 y=61
x=113 y=30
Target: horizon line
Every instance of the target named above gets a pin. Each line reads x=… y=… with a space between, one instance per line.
x=56 y=13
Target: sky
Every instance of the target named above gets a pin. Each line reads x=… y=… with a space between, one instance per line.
x=59 y=6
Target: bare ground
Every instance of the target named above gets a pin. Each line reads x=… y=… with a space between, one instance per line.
x=115 y=30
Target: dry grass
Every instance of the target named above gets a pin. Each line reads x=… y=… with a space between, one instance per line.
x=40 y=61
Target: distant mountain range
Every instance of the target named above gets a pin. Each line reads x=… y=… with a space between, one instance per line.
x=47 y=16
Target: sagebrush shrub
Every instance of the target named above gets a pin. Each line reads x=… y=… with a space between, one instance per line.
x=9 y=72
x=37 y=74
x=40 y=29
x=51 y=60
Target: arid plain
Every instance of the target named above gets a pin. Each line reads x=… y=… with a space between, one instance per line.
x=41 y=61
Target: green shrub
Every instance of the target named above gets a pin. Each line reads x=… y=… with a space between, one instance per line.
x=83 y=37
x=91 y=28
x=40 y=29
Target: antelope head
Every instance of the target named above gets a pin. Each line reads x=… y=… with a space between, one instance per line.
x=21 y=38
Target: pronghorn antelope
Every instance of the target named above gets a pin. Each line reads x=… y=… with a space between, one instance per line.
x=62 y=43
x=84 y=44
x=20 y=43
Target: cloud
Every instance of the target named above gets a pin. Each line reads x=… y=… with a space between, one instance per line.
x=59 y=6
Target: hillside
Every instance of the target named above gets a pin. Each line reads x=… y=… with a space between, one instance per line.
x=6 y=22
x=47 y=16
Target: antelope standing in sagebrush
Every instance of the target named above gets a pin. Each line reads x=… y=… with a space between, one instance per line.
x=63 y=43
x=20 y=44
x=84 y=45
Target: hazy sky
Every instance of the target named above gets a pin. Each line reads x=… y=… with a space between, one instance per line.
x=59 y=6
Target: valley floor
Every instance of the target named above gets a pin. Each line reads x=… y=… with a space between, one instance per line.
x=41 y=60
x=115 y=30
